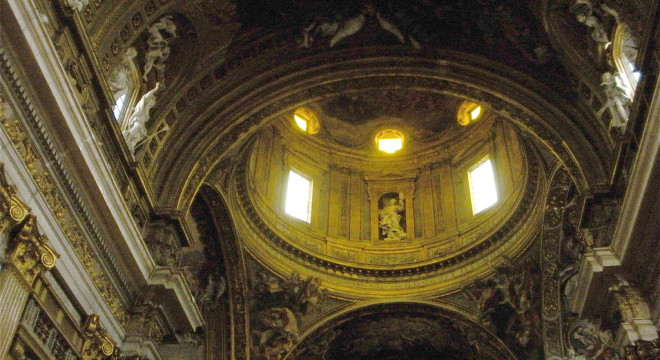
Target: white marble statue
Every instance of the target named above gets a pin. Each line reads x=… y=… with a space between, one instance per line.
x=136 y=130
x=584 y=13
x=617 y=102
x=348 y=28
x=119 y=80
x=338 y=31
x=389 y=219
x=159 y=49
x=77 y=5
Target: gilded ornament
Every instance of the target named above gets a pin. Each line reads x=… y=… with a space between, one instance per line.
x=12 y=209
x=31 y=253
x=54 y=200
x=97 y=343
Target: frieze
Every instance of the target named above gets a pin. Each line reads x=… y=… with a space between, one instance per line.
x=36 y=127
x=54 y=199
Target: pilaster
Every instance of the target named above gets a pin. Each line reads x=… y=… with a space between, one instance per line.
x=30 y=255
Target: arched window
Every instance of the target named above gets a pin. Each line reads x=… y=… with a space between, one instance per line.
x=124 y=82
x=624 y=54
x=119 y=107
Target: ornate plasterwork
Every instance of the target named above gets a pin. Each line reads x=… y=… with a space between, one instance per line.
x=267 y=243
x=31 y=253
x=235 y=122
x=550 y=257
x=235 y=273
x=395 y=327
x=55 y=200
x=12 y=209
x=97 y=344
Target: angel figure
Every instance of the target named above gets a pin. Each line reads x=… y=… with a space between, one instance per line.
x=618 y=101
x=136 y=129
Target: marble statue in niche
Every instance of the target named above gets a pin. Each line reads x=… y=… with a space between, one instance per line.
x=391 y=217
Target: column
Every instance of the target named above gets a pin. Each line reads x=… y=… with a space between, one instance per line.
x=30 y=254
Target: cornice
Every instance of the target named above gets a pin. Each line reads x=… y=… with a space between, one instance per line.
x=257 y=234
x=243 y=103
x=83 y=232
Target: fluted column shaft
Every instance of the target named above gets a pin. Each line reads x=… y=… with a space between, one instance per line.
x=14 y=293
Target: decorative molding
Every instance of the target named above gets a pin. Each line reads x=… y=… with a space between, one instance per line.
x=31 y=253
x=541 y=122
x=520 y=215
x=97 y=344
x=551 y=245
x=55 y=200
x=12 y=210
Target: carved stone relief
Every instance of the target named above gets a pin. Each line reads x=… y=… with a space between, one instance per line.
x=164 y=243
x=277 y=307
x=509 y=305
x=158 y=46
x=77 y=235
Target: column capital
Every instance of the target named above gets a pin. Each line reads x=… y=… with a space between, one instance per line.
x=98 y=344
x=12 y=209
x=31 y=253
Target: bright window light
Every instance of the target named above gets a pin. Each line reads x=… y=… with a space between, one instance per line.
x=389 y=140
x=302 y=123
x=119 y=106
x=483 y=191
x=389 y=146
x=474 y=114
x=298 y=201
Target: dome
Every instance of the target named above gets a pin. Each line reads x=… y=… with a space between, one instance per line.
x=407 y=221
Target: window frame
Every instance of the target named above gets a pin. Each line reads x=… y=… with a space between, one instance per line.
x=132 y=93
x=309 y=196
x=487 y=158
x=622 y=62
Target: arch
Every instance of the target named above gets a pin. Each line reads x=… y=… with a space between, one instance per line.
x=225 y=336
x=247 y=102
x=429 y=327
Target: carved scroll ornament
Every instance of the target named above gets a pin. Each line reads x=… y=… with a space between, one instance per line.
x=98 y=344
x=12 y=210
x=31 y=253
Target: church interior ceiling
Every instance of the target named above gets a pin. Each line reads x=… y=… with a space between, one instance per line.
x=191 y=109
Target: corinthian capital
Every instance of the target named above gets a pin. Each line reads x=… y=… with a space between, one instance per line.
x=12 y=209
x=98 y=344
x=31 y=253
